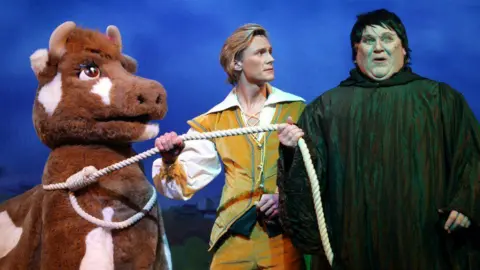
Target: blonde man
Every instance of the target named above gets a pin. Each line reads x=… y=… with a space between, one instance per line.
x=246 y=233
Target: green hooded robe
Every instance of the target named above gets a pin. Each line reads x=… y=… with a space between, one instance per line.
x=388 y=156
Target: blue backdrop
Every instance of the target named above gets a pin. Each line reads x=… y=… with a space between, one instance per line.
x=177 y=42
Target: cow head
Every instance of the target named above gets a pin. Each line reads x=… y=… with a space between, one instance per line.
x=88 y=93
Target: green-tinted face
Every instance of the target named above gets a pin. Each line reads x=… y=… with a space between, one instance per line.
x=380 y=53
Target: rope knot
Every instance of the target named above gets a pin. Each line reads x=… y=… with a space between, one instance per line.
x=81 y=179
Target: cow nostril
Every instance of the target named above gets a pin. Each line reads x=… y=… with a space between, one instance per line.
x=159 y=99
x=140 y=99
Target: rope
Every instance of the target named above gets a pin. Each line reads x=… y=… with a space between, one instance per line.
x=109 y=224
x=317 y=199
x=76 y=182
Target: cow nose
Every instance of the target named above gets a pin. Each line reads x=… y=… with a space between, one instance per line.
x=147 y=97
x=142 y=99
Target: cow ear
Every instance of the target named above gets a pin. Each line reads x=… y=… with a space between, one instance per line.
x=129 y=63
x=56 y=47
x=38 y=61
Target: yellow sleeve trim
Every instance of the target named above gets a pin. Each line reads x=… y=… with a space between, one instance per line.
x=176 y=173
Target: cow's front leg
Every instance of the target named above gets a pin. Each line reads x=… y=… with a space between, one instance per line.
x=71 y=242
x=136 y=246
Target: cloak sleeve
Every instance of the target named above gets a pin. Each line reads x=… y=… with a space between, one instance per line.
x=462 y=136
x=297 y=212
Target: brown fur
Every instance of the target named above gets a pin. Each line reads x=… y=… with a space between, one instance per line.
x=81 y=132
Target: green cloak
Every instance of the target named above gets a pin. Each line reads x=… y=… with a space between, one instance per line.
x=388 y=155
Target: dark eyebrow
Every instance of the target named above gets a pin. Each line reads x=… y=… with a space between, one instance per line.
x=382 y=35
x=388 y=34
x=99 y=52
x=94 y=51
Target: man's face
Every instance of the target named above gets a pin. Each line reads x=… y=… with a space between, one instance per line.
x=380 y=53
x=257 y=61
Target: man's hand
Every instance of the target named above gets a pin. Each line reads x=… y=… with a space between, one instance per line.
x=455 y=220
x=170 y=145
x=268 y=205
x=288 y=133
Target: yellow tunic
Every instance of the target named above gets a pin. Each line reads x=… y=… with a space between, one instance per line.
x=250 y=165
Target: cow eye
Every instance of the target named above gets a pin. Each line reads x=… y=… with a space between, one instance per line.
x=89 y=72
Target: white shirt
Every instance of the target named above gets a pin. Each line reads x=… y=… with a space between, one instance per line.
x=200 y=159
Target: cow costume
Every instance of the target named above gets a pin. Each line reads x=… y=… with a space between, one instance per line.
x=89 y=109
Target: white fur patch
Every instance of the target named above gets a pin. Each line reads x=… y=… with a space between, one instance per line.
x=51 y=94
x=103 y=88
x=9 y=233
x=99 y=246
x=166 y=248
x=151 y=131
x=38 y=60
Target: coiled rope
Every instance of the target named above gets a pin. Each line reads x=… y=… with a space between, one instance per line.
x=76 y=182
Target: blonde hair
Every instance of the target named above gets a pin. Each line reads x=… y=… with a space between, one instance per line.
x=235 y=45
